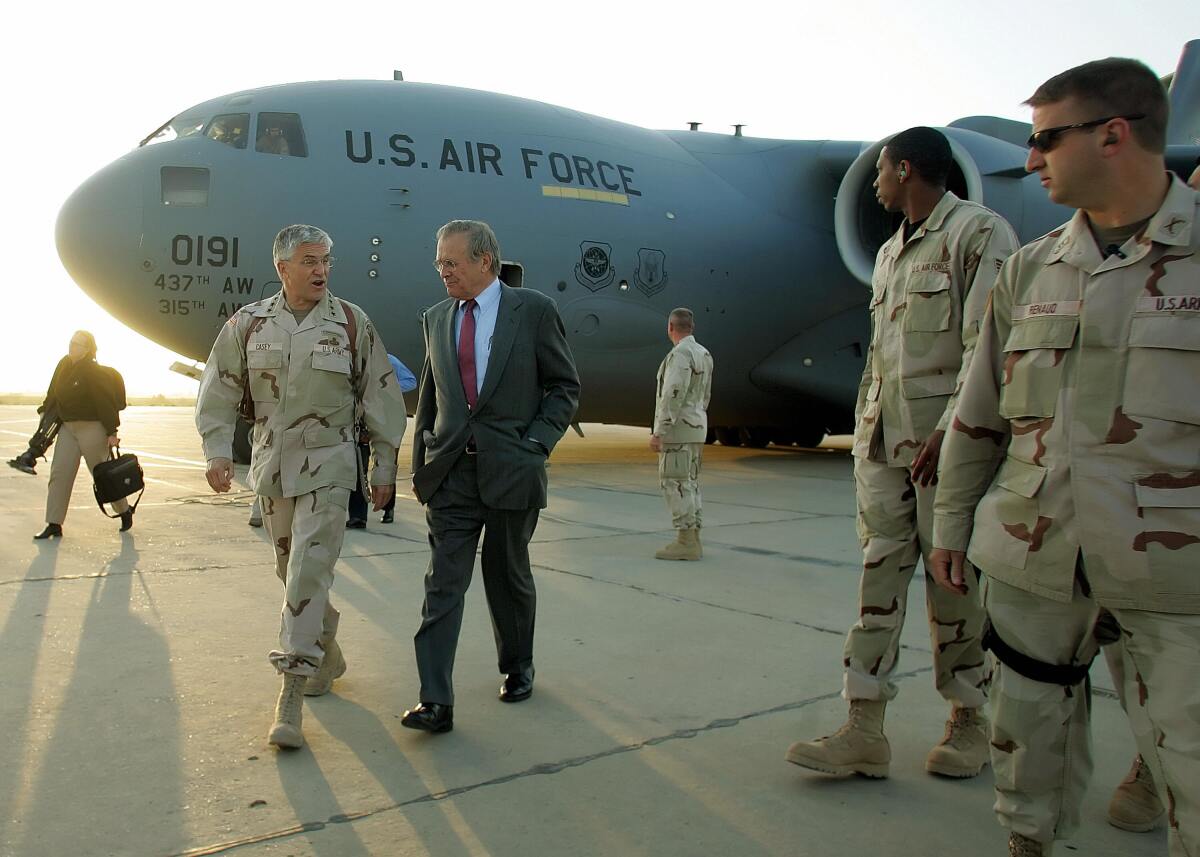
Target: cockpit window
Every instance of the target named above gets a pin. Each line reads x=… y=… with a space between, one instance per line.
x=232 y=129
x=280 y=134
x=185 y=125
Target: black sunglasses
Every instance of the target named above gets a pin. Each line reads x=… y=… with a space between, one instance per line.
x=1047 y=138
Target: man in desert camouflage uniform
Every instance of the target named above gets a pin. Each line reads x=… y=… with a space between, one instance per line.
x=680 y=426
x=1071 y=475
x=929 y=289
x=311 y=362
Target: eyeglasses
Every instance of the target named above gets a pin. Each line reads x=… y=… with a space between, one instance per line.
x=313 y=261
x=1047 y=138
x=445 y=265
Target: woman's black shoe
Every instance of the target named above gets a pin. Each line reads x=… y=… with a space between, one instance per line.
x=126 y=520
x=387 y=518
x=52 y=531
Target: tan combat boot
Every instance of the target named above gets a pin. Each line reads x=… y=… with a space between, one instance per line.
x=333 y=665
x=1135 y=805
x=289 y=712
x=964 y=749
x=859 y=747
x=1023 y=846
x=686 y=546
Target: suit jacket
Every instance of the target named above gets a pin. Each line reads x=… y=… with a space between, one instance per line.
x=529 y=397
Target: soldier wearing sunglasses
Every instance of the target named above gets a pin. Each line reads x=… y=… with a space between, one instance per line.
x=1070 y=475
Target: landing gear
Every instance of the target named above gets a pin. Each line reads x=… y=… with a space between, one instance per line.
x=807 y=436
x=755 y=438
x=727 y=436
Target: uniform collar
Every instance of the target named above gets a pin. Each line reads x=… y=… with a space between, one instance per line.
x=940 y=212
x=932 y=223
x=331 y=308
x=269 y=307
x=1172 y=225
x=1175 y=219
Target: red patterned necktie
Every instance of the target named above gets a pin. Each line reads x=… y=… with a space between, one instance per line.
x=466 y=353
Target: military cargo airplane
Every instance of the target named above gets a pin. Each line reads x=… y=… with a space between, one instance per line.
x=768 y=241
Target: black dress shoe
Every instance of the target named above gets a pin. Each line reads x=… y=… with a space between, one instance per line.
x=52 y=531
x=356 y=524
x=517 y=686
x=388 y=517
x=126 y=520
x=430 y=717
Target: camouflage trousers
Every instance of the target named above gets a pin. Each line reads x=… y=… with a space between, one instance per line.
x=679 y=476
x=1041 y=740
x=895 y=526
x=307 y=534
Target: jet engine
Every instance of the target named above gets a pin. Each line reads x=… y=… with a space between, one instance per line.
x=989 y=168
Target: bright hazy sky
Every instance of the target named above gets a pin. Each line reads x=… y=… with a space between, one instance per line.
x=85 y=83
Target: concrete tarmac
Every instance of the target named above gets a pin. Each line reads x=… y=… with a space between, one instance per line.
x=135 y=693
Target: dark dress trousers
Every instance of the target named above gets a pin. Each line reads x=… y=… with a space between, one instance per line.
x=483 y=471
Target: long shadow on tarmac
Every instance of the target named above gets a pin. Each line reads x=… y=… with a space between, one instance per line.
x=97 y=738
x=21 y=641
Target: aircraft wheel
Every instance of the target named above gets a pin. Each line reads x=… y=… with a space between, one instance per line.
x=808 y=436
x=727 y=436
x=755 y=438
x=241 y=442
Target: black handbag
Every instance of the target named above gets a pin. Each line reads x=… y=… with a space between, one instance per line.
x=117 y=478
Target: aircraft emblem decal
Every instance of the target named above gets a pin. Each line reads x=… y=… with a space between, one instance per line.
x=595 y=269
x=651 y=271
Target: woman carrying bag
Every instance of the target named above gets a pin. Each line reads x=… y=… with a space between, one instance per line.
x=88 y=397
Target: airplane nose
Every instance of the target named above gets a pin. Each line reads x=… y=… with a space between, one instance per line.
x=97 y=235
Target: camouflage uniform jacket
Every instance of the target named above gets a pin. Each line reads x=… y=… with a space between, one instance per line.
x=1084 y=391
x=684 y=388
x=927 y=297
x=304 y=404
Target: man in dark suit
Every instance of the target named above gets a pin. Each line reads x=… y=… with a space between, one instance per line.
x=497 y=391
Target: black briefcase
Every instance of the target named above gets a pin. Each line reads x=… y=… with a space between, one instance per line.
x=117 y=478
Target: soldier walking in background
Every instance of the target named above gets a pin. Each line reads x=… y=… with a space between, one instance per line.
x=1070 y=476
x=929 y=288
x=680 y=426
x=308 y=362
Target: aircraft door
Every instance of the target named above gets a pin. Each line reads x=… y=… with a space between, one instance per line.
x=512 y=274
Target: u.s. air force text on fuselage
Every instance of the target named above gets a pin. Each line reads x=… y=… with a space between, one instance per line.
x=481 y=158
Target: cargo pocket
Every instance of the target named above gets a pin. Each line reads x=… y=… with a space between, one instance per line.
x=1164 y=364
x=264 y=367
x=1033 y=365
x=866 y=423
x=924 y=386
x=675 y=464
x=928 y=303
x=1169 y=514
x=1014 y=508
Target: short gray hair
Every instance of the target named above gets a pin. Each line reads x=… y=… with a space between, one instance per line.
x=480 y=239
x=291 y=237
x=682 y=318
